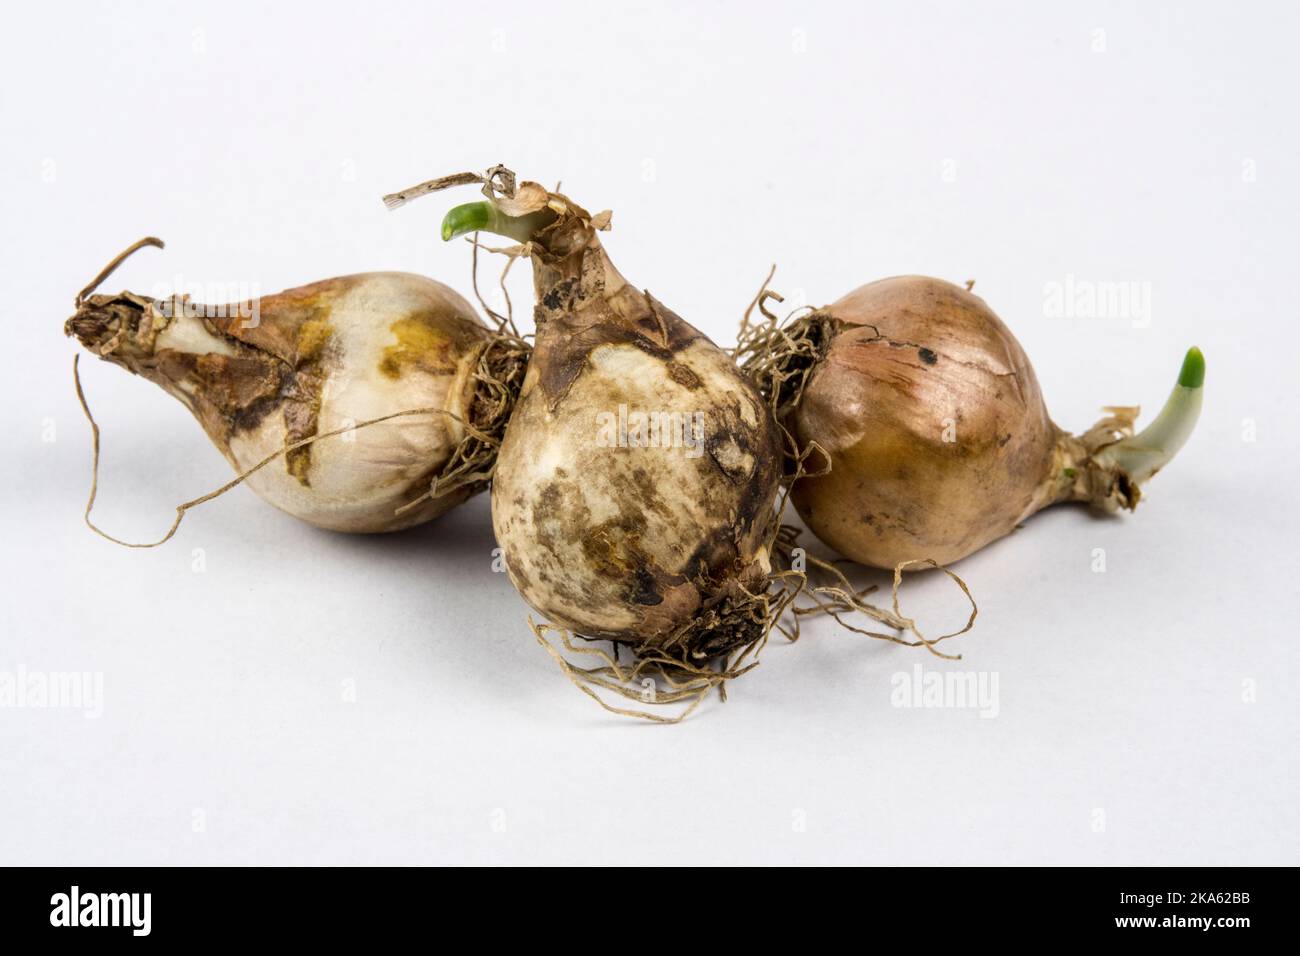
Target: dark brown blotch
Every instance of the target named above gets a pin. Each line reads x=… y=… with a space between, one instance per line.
x=683 y=376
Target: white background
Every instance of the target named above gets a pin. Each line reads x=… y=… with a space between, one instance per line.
x=1016 y=144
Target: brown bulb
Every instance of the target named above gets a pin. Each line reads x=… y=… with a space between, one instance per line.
x=935 y=428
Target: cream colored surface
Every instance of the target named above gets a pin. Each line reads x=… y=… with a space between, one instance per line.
x=188 y=334
x=359 y=479
x=568 y=511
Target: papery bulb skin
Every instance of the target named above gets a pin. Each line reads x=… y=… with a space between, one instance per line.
x=261 y=375
x=934 y=422
x=601 y=534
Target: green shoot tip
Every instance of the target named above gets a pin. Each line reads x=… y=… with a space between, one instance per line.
x=470 y=217
x=1192 y=374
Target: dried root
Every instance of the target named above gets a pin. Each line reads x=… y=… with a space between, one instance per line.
x=724 y=643
x=498 y=376
x=720 y=645
x=779 y=355
x=832 y=594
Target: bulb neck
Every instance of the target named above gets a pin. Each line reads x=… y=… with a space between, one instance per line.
x=1080 y=474
x=116 y=327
